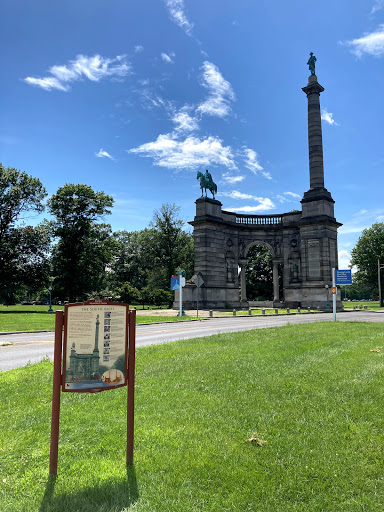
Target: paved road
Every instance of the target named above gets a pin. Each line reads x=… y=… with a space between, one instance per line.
x=32 y=347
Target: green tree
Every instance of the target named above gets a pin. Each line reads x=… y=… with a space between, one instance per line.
x=128 y=294
x=368 y=249
x=84 y=248
x=130 y=261
x=23 y=250
x=168 y=246
x=259 y=273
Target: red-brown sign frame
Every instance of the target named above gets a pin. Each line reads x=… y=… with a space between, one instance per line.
x=94 y=304
x=58 y=380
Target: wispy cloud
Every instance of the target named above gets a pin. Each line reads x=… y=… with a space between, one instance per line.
x=92 y=68
x=191 y=153
x=235 y=194
x=288 y=197
x=371 y=44
x=265 y=204
x=220 y=92
x=168 y=58
x=328 y=117
x=177 y=14
x=139 y=48
x=377 y=6
x=344 y=259
x=251 y=162
x=231 y=179
x=103 y=154
x=184 y=121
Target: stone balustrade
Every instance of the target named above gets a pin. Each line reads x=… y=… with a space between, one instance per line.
x=258 y=219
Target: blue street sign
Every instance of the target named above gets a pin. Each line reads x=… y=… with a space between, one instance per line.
x=175 y=283
x=343 y=276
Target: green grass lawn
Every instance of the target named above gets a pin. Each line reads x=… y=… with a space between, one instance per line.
x=371 y=304
x=310 y=396
x=37 y=318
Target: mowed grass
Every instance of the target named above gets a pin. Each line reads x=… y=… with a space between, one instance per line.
x=311 y=396
x=371 y=304
x=37 y=318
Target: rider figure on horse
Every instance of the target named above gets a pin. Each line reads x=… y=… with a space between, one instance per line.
x=208 y=177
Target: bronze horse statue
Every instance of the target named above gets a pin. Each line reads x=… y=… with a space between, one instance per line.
x=206 y=182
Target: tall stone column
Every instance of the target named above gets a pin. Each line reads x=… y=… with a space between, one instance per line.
x=315 y=139
x=243 y=284
x=276 y=294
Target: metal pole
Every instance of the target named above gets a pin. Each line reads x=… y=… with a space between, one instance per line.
x=335 y=294
x=181 y=297
x=131 y=385
x=379 y=280
x=197 y=301
x=55 y=420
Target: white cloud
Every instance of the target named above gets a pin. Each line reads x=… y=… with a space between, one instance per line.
x=372 y=44
x=288 y=197
x=176 y=11
x=235 y=194
x=220 y=92
x=139 y=48
x=251 y=162
x=344 y=259
x=265 y=205
x=232 y=179
x=185 y=122
x=191 y=153
x=93 y=68
x=328 y=117
x=168 y=58
x=377 y=6
x=103 y=154
x=346 y=229
x=361 y=212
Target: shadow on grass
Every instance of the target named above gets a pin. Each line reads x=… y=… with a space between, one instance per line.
x=110 y=495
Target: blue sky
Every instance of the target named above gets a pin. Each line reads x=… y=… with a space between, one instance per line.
x=133 y=98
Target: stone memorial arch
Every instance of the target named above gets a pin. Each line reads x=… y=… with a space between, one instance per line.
x=304 y=243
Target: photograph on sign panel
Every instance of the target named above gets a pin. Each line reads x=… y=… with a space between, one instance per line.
x=95 y=359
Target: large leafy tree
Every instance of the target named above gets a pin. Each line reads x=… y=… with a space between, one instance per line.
x=130 y=262
x=366 y=253
x=84 y=248
x=169 y=246
x=23 y=249
x=259 y=273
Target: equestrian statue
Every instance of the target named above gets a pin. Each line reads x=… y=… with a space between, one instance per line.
x=206 y=182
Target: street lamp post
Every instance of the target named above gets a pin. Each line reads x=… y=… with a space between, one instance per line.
x=50 y=310
x=328 y=307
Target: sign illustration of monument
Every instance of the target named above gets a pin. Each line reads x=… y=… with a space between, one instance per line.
x=95 y=347
x=303 y=244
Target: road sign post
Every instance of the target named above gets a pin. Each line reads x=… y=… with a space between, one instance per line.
x=198 y=282
x=334 y=295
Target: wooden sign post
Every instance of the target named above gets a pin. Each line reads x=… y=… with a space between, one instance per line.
x=98 y=354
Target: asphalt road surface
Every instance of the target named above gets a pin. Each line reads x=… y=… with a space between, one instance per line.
x=18 y=349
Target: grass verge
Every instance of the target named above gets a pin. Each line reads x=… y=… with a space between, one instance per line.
x=283 y=419
x=37 y=318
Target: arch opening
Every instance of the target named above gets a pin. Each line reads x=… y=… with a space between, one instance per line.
x=263 y=282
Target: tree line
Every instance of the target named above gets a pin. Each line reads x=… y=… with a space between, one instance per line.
x=76 y=253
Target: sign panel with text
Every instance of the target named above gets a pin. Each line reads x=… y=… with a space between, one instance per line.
x=95 y=346
x=343 y=276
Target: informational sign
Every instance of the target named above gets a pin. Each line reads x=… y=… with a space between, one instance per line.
x=343 y=276
x=175 y=282
x=95 y=346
